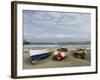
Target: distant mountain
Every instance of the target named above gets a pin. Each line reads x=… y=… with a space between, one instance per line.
x=26 y=42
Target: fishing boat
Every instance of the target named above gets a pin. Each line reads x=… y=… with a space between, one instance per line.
x=60 y=54
x=36 y=55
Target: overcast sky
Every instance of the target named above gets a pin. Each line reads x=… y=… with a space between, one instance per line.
x=48 y=26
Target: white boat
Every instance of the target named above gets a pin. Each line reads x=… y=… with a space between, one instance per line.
x=39 y=54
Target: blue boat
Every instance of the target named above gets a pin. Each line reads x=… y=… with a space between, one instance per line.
x=36 y=55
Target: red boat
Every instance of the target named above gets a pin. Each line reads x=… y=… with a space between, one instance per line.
x=59 y=55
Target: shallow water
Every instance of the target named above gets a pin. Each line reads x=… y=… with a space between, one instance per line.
x=51 y=46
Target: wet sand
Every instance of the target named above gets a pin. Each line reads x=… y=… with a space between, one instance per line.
x=69 y=61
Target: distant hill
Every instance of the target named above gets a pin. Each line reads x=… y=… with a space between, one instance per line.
x=26 y=42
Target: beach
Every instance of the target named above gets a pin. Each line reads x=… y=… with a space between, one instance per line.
x=49 y=62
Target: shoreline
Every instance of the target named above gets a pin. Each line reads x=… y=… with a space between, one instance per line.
x=55 y=46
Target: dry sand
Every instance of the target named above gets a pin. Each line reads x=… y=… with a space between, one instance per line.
x=69 y=61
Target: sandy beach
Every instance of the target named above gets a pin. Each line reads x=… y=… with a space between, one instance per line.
x=69 y=61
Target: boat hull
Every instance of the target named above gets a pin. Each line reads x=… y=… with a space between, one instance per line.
x=38 y=55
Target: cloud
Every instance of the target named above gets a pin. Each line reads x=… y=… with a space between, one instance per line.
x=51 y=26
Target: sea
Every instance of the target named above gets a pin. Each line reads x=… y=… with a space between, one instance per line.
x=54 y=46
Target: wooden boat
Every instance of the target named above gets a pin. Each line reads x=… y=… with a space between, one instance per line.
x=81 y=53
x=36 y=55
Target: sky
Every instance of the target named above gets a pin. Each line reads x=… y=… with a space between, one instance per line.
x=53 y=26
